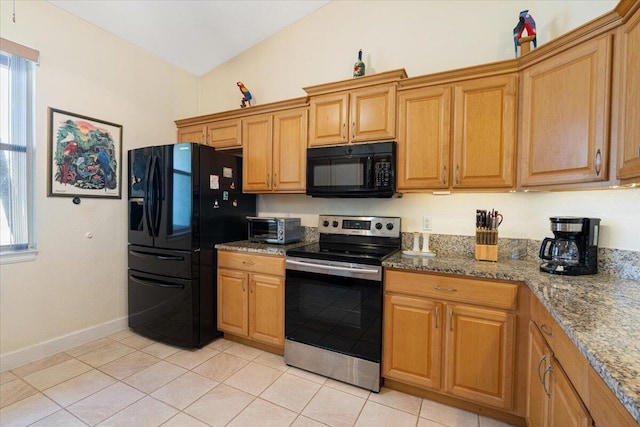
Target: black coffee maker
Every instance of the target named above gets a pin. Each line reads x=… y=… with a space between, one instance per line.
x=574 y=250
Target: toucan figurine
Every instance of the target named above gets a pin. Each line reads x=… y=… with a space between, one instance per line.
x=246 y=95
x=525 y=22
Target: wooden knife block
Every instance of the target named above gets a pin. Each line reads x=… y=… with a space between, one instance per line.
x=486 y=245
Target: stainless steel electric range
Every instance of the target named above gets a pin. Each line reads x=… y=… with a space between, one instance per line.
x=333 y=298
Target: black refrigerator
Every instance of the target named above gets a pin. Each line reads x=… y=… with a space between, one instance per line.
x=183 y=199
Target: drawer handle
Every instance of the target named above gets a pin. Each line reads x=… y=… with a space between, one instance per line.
x=544 y=380
x=546 y=329
x=598 y=162
x=438 y=288
x=248 y=262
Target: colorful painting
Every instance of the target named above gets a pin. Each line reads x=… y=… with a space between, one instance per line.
x=84 y=156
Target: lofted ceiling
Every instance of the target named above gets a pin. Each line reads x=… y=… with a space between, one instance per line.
x=195 y=35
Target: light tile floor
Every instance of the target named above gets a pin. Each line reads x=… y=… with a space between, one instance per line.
x=128 y=380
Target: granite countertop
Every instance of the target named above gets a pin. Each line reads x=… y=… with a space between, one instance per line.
x=259 y=248
x=600 y=313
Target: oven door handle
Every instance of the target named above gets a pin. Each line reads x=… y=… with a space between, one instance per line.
x=333 y=267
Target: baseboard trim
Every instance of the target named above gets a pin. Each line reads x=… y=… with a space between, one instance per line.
x=56 y=345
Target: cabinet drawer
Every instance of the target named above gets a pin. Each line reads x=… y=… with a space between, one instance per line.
x=252 y=263
x=470 y=291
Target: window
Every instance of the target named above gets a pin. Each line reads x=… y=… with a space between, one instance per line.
x=17 y=141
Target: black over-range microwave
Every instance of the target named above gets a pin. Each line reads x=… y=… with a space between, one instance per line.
x=359 y=170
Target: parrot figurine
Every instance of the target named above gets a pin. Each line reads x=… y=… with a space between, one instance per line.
x=525 y=22
x=103 y=160
x=246 y=95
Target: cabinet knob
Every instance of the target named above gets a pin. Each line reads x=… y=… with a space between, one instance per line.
x=457 y=174
x=437 y=316
x=444 y=174
x=353 y=130
x=275 y=180
x=344 y=128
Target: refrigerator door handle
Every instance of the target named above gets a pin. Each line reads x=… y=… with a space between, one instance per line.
x=160 y=257
x=157 y=189
x=155 y=283
x=146 y=197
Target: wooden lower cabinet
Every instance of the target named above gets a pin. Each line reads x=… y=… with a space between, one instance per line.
x=251 y=297
x=479 y=355
x=552 y=400
x=457 y=349
x=412 y=340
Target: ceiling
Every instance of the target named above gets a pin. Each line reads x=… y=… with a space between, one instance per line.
x=195 y=35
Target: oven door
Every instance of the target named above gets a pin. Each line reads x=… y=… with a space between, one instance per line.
x=336 y=307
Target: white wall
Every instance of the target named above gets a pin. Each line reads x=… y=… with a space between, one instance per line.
x=77 y=283
x=423 y=37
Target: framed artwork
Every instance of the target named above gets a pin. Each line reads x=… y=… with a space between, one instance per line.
x=85 y=156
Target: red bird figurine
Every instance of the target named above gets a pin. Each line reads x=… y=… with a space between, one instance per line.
x=246 y=95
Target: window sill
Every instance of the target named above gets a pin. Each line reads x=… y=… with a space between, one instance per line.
x=18 y=256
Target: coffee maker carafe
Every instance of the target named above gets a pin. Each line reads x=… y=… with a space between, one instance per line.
x=574 y=250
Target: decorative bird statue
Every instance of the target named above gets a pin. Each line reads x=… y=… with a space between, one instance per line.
x=246 y=95
x=103 y=161
x=525 y=22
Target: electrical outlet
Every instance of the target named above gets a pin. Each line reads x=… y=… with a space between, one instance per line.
x=426 y=223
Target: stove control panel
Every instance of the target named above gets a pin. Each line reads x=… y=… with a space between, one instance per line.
x=360 y=225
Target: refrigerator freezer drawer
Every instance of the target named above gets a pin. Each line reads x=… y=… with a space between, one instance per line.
x=163 y=308
x=181 y=264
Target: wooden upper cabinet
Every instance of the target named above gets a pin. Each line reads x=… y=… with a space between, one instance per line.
x=193 y=133
x=225 y=134
x=424 y=138
x=257 y=137
x=290 y=151
x=372 y=113
x=484 y=126
x=627 y=95
x=328 y=119
x=354 y=110
x=565 y=116
x=274 y=152
x=361 y=115
x=456 y=132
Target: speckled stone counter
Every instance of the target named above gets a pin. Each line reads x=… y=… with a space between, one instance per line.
x=600 y=313
x=259 y=248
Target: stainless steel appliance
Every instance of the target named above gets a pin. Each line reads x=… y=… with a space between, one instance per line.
x=574 y=250
x=333 y=298
x=183 y=199
x=360 y=170
x=274 y=230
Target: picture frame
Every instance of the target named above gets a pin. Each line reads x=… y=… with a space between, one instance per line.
x=85 y=156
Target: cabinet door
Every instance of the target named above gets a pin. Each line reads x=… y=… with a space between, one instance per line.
x=485 y=132
x=566 y=408
x=628 y=99
x=194 y=133
x=225 y=134
x=479 y=360
x=538 y=379
x=266 y=309
x=424 y=138
x=290 y=151
x=412 y=340
x=328 y=119
x=233 y=307
x=257 y=145
x=372 y=114
x=565 y=110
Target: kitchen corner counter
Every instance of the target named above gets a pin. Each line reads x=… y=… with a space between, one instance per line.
x=600 y=313
x=258 y=248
